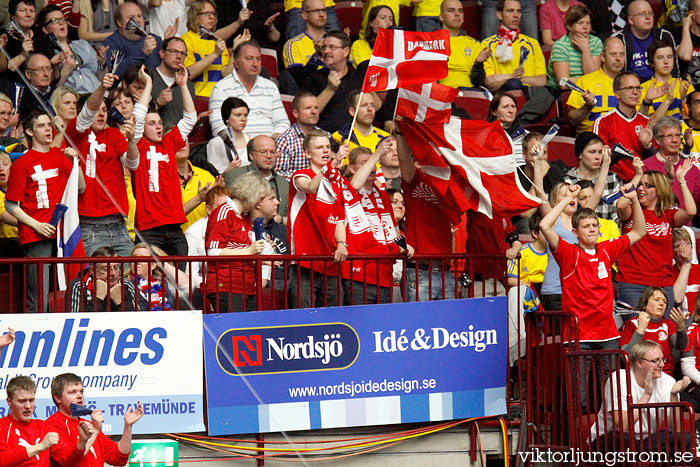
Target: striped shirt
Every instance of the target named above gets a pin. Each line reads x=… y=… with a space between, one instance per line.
x=298 y=50
x=564 y=51
x=613 y=184
x=291 y=152
x=267 y=115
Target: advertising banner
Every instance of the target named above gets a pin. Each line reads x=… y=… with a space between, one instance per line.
x=154 y=357
x=355 y=366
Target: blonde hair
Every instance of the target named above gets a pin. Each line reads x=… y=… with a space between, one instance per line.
x=58 y=94
x=5 y=98
x=250 y=188
x=352 y=159
x=640 y=349
x=555 y=192
x=664 y=195
x=153 y=250
x=195 y=8
x=681 y=234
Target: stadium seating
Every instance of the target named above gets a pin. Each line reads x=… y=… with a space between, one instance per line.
x=476 y=103
x=350 y=16
x=270 y=62
x=287 y=102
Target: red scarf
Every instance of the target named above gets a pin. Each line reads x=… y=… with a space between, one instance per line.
x=507 y=36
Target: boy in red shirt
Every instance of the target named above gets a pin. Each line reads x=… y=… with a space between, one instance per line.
x=25 y=441
x=586 y=282
x=37 y=182
x=67 y=389
x=315 y=225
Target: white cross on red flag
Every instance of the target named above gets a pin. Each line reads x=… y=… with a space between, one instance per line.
x=429 y=102
x=407 y=57
x=470 y=165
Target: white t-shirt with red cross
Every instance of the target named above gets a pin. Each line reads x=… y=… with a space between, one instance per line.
x=37 y=181
x=586 y=286
x=156 y=183
x=103 y=153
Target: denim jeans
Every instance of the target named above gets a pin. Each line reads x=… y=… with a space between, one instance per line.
x=105 y=231
x=323 y=293
x=357 y=295
x=296 y=24
x=428 y=23
x=427 y=290
x=223 y=302
x=490 y=22
x=40 y=249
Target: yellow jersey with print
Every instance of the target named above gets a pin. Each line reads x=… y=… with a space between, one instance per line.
x=463 y=52
x=369 y=141
x=601 y=85
x=695 y=150
x=532 y=265
x=534 y=64
x=676 y=107
x=200 y=177
x=6 y=230
x=197 y=49
x=298 y=50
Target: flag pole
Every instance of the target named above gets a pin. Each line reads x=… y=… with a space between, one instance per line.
x=354 y=117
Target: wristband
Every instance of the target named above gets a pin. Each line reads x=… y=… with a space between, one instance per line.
x=342 y=242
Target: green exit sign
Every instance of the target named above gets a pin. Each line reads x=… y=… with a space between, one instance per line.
x=153 y=453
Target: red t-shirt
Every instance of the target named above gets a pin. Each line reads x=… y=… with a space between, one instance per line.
x=650 y=260
x=103 y=450
x=312 y=221
x=370 y=229
x=613 y=127
x=156 y=183
x=16 y=437
x=37 y=181
x=659 y=332
x=103 y=152
x=694 y=343
x=226 y=228
x=691 y=290
x=427 y=227
x=586 y=286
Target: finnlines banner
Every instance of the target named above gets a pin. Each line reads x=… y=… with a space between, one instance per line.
x=355 y=366
x=154 y=357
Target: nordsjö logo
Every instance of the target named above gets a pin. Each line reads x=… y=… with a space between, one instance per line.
x=287 y=349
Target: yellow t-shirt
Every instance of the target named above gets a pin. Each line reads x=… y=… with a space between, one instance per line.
x=429 y=8
x=369 y=141
x=532 y=265
x=608 y=230
x=298 y=50
x=599 y=84
x=197 y=49
x=695 y=150
x=463 y=52
x=200 y=177
x=360 y=51
x=676 y=107
x=6 y=231
x=534 y=65
x=289 y=4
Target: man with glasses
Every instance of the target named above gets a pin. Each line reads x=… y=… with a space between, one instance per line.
x=100 y=287
x=300 y=48
x=668 y=136
x=649 y=385
x=294 y=14
x=263 y=156
x=166 y=96
x=625 y=125
x=638 y=35
x=39 y=73
x=333 y=85
x=266 y=112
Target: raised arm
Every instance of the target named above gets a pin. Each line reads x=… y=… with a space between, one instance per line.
x=189 y=113
x=639 y=226
x=358 y=180
x=406 y=162
x=548 y=221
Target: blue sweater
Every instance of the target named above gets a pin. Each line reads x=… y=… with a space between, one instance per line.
x=132 y=52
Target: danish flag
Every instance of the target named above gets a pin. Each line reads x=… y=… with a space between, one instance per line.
x=470 y=165
x=406 y=57
x=429 y=102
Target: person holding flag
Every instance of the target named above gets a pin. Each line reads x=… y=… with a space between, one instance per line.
x=37 y=182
